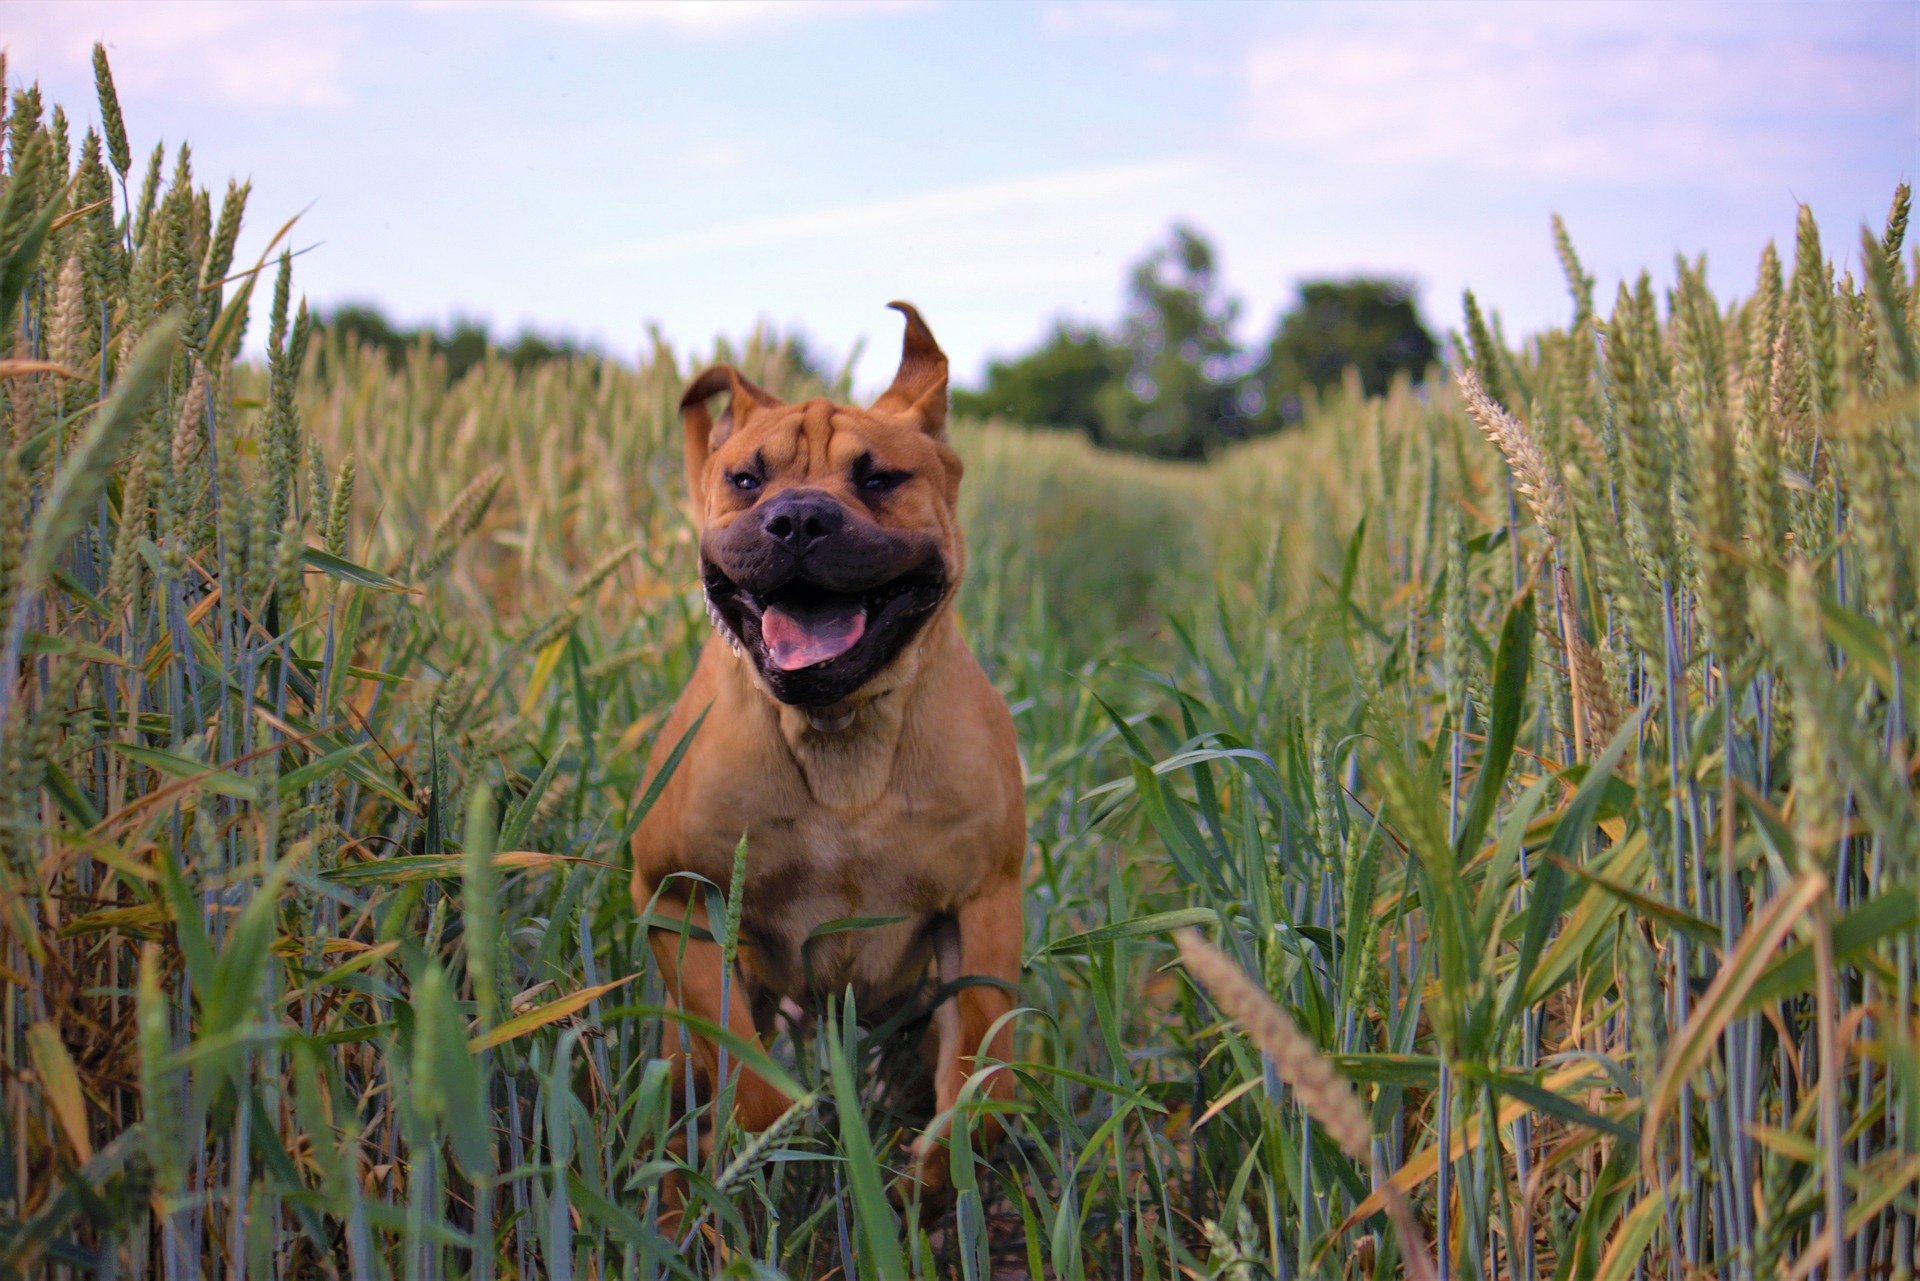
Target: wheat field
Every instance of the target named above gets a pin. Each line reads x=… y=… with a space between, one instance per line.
x=1535 y=746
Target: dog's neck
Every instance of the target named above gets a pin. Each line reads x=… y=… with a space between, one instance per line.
x=848 y=752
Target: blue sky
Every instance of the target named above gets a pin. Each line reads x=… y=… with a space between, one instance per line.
x=597 y=169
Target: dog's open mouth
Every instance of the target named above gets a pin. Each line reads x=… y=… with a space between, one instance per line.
x=804 y=628
x=816 y=645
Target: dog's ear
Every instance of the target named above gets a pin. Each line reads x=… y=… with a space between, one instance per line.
x=703 y=434
x=920 y=388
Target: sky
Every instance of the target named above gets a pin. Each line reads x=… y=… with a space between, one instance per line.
x=603 y=170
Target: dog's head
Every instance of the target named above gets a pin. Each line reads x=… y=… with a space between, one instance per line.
x=828 y=533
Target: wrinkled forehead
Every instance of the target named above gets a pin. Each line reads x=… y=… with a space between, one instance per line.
x=819 y=437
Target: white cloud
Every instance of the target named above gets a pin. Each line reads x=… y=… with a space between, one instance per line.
x=283 y=55
x=1615 y=92
x=1009 y=200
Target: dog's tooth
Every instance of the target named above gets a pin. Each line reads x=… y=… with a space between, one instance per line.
x=720 y=625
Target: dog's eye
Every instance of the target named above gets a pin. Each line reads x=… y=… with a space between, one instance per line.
x=745 y=481
x=881 y=481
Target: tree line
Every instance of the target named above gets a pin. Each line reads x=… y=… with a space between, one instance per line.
x=463 y=342
x=1172 y=381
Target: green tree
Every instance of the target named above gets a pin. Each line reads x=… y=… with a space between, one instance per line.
x=1056 y=385
x=1368 y=323
x=1185 y=389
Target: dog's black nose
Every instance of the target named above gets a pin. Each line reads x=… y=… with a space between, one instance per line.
x=800 y=518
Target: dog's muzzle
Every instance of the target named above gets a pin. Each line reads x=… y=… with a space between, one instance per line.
x=817 y=597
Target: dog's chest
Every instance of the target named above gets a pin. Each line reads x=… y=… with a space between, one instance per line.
x=830 y=901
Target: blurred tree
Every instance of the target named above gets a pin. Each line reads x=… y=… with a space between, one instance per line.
x=1185 y=388
x=464 y=342
x=808 y=362
x=1056 y=385
x=365 y=326
x=1370 y=324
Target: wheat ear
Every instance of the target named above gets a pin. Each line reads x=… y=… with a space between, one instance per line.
x=1325 y=1094
x=1321 y=1090
x=755 y=1149
x=1598 y=717
x=1533 y=474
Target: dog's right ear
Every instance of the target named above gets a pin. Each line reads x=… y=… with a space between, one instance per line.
x=703 y=434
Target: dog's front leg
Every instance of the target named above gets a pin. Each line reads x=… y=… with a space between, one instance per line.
x=691 y=970
x=989 y=933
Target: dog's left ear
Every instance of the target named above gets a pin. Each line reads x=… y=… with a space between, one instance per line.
x=920 y=388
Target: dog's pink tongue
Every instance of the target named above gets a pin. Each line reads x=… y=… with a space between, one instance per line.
x=795 y=641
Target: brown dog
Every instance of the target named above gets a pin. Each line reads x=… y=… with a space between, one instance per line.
x=849 y=732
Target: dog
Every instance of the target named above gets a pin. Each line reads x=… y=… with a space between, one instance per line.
x=848 y=731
